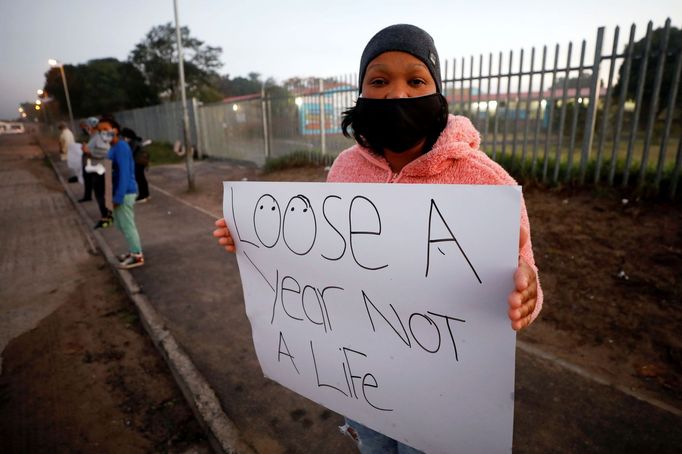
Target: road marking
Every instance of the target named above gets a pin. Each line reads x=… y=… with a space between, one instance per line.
x=198 y=208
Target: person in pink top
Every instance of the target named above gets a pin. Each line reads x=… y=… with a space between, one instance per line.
x=405 y=134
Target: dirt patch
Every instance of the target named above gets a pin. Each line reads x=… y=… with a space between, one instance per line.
x=88 y=379
x=610 y=268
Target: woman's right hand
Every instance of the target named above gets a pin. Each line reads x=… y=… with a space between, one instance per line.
x=224 y=237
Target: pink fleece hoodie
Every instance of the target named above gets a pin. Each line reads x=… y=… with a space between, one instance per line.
x=454 y=159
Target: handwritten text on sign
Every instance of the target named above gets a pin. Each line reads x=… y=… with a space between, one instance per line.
x=386 y=302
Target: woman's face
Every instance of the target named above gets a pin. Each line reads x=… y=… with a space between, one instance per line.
x=397 y=75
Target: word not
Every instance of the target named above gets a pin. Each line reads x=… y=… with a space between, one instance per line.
x=418 y=329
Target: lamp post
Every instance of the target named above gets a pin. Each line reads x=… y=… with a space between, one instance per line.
x=39 y=106
x=52 y=62
x=185 y=115
x=42 y=100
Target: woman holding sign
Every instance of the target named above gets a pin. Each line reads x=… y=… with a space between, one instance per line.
x=404 y=134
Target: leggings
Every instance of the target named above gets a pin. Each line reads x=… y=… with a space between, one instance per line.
x=98 y=182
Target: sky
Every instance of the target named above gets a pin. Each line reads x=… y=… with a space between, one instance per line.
x=282 y=39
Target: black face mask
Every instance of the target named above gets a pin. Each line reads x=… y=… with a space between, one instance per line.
x=399 y=124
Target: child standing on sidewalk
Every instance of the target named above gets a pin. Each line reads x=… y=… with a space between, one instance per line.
x=124 y=192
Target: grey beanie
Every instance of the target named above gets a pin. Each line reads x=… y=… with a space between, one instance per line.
x=403 y=38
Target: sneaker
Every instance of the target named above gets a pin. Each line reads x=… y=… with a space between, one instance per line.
x=144 y=200
x=132 y=261
x=104 y=223
x=73 y=180
x=123 y=257
x=84 y=199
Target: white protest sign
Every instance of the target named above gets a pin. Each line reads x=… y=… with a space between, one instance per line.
x=386 y=302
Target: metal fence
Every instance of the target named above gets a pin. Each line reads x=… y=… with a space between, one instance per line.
x=578 y=114
x=279 y=121
x=162 y=122
x=564 y=122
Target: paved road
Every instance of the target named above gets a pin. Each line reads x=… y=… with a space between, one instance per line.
x=195 y=287
x=34 y=211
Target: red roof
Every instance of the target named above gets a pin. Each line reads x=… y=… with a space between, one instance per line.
x=241 y=98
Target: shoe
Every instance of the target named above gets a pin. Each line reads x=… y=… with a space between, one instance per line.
x=73 y=180
x=132 y=261
x=144 y=199
x=104 y=223
x=84 y=199
x=123 y=257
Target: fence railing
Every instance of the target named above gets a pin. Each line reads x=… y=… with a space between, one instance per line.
x=607 y=113
x=162 y=122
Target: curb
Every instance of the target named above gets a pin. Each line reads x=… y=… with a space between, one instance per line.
x=222 y=433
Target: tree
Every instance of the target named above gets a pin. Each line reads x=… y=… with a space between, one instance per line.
x=674 y=49
x=584 y=79
x=99 y=86
x=239 y=85
x=156 y=57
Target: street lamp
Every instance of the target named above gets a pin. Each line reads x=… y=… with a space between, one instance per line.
x=52 y=62
x=185 y=115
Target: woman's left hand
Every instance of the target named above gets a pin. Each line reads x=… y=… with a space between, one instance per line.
x=523 y=298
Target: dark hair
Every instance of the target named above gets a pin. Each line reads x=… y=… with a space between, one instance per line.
x=347 y=122
x=114 y=124
x=128 y=134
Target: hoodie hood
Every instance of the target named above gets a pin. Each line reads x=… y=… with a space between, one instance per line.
x=458 y=139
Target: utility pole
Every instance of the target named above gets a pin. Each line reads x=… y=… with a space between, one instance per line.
x=185 y=114
x=52 y=62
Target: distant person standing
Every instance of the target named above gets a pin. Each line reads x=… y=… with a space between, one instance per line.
x=141 y=158
x=65 y=139
x=88 y=130
x=124 y=192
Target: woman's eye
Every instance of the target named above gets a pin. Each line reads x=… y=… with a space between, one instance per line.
x=377 y=82
x=418 y=82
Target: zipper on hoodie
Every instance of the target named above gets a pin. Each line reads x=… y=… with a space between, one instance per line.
x=392 y=176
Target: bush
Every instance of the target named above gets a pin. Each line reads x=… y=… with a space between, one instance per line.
x=524 y=172
x=297 y=159
x=162 y=153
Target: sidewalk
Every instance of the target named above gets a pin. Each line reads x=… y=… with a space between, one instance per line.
x=78 y=371
x=195 y=287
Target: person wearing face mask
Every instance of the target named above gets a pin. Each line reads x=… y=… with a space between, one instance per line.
x=96 y=153
x=405 y=134
x=124 y=192
x=88 y=129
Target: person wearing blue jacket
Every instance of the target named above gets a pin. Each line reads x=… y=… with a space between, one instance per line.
x=124 y=191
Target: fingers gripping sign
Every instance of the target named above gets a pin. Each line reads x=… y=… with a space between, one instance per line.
x=523 y=298
x=224 y=237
